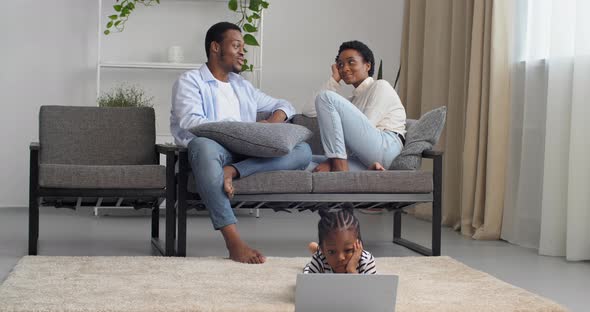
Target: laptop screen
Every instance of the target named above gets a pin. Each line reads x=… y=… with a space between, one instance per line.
x=345 y=292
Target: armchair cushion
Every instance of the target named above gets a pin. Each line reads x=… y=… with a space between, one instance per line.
x=102 y=177
x=254 y=139
x=421 y=135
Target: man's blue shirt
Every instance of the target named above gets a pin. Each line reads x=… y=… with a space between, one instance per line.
x=194 y=102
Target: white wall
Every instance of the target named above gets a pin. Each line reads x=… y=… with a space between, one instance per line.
x=48 y=57
x=302 y=39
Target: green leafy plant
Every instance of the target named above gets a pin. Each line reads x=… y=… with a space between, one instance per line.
x=125 y=96
x=250 y=14
x=123 y=9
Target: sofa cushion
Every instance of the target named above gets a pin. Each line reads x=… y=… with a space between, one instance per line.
x=254 y=139
x=271 y=182
x=411 y=181
x=421 y=135
x=311 y=123
x=106 y=177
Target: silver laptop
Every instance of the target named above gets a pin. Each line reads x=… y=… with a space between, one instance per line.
x=345 y=292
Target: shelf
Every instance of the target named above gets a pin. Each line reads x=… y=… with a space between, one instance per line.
x=153 y=65
x=149 y=65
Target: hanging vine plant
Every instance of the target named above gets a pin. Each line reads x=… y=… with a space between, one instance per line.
x=122 y=11
x=249 y=12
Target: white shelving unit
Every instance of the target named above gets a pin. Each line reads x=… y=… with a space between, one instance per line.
x=130 y=65
x=149 y=65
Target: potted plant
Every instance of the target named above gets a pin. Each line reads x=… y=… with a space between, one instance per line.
x=125 y=96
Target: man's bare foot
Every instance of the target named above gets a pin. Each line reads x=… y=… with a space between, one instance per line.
x=229 y=173
x=323 y=167
x=377 y=166
x=241 y=252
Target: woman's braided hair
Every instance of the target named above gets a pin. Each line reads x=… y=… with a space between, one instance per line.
x=340 y=220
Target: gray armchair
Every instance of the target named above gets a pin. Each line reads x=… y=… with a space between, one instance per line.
x=88 y=156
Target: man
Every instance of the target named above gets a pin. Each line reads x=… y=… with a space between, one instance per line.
x=216 y=92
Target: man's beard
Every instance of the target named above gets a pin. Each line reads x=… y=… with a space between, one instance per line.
x=233 y=68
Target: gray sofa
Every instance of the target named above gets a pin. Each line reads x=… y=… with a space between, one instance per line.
x=297 y=190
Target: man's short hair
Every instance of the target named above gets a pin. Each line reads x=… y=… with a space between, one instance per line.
x=215 y=33
x=362 y=49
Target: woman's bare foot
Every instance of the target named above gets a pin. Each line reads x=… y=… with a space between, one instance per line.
x=323 y=167
x=241 y=252
x=339 y=164
x=229 y=173
x=377 y=166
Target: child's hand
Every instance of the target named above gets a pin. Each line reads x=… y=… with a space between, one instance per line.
x=313 y=247
x=356 y=257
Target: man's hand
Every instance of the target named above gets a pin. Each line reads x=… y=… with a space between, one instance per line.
x=353 y=263
x=277 y=117
x=335 y=73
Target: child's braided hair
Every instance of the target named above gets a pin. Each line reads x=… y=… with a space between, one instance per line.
x=340 y=220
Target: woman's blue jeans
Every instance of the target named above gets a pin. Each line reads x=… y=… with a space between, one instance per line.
x=343 y=126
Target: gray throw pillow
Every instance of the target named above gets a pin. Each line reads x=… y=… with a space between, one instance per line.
x=253 y=138
x=422 y=135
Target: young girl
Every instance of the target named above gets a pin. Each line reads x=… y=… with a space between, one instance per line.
x=340 y=248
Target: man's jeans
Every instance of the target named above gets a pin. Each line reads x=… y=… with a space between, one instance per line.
x=208 y=158
x=343 y=126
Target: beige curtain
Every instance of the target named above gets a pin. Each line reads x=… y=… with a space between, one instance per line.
x=455 y=53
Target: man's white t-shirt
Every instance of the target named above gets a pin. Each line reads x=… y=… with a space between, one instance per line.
x=228 y=105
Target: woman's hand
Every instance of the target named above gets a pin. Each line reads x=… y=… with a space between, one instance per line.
x=335 y=73
x=353 y=263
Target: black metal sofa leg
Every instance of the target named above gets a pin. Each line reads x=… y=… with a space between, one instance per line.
x=436 y=231
x=156 y=221
x=397 y=239
x=170 y=205
x=33 y=201
x=183 y=168
x=436 y=217
x=33 y=226
x=437 y=206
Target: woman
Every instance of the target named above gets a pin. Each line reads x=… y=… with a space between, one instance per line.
x=371 y=124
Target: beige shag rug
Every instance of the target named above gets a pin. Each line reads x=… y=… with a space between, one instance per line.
x=145 y=284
